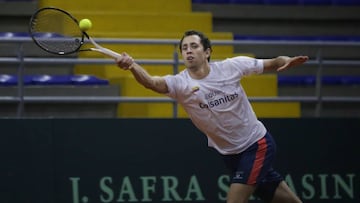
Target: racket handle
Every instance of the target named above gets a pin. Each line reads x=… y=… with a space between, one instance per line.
x=104 y=50
x=108 y=52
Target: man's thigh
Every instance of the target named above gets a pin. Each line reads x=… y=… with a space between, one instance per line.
x=239 y=193
x=283 y=194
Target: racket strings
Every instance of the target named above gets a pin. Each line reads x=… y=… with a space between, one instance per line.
x=56 y=31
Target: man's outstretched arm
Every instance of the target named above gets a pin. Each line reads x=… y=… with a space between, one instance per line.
x=155 y=83
x=282 y=63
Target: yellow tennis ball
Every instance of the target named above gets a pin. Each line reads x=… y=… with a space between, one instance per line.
x=85 y=24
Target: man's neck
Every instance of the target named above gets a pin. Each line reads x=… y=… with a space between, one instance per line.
x=200 y=72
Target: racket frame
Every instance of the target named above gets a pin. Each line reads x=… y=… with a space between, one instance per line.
x=97 y=47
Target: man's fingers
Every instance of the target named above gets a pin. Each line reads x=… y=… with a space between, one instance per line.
x=125 y=61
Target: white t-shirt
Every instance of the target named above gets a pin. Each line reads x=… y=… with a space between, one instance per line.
x=218 y=105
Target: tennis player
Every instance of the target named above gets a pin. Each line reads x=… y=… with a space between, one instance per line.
x=216 y=103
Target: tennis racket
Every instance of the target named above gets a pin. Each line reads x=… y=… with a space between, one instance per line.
x=57 y=31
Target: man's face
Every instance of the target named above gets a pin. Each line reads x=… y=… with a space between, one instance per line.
x=193 y=52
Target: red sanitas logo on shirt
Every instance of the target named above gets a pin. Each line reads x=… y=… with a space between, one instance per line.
x=217 y=102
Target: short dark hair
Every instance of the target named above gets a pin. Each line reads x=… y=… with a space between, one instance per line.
x=204 y=40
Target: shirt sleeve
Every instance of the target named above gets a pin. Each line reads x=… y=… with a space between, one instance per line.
x=171 y=84
x=247 y=65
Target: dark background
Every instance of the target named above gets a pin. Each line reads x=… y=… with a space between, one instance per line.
x=39 y=156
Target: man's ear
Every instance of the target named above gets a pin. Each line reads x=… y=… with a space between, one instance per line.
x=208 y=52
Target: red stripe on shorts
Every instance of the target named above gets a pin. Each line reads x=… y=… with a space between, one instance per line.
x=258 y=163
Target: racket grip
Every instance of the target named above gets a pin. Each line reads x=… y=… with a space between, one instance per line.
x=110 y=53
x=104 y=50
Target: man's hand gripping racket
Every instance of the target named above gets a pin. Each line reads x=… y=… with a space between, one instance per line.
x=57 y=31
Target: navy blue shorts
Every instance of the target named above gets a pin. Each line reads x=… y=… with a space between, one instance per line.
x=254 y=167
